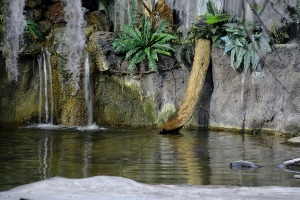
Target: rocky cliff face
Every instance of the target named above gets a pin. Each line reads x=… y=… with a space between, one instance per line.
x=265 y=100
x=144 y=99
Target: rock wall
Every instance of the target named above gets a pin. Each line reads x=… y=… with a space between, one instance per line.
x=254 y=101
x=19 y=101
x=265 y=100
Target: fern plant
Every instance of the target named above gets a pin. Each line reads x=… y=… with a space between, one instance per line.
x=144 y=44
x=209 y=25
x=243 y=40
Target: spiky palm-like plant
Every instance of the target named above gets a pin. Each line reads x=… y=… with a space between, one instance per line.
x=144 y=44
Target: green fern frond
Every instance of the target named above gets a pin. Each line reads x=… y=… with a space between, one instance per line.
x=232 y=60
x=137 y=58
x=247 y=59
x=254 y=6
x=152 y=64
x=164 y=47
x=162 y=26
x=131 y=52
x=132 y=33
x=145 y=44
x=211 y=8
x=217 y=18
x=254 y=59
x=162 y=52
x=240 y=52
x=146 y=29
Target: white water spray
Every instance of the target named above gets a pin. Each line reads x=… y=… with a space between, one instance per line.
x=46 y=91
x=74 y=38
x=14 y=24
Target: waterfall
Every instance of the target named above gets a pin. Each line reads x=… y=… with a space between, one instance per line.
x=88 y=94
x=46 y=91
x=185 y=12
x=124 y=12
x=14 y=24
x=88 y=89
x=74 y=39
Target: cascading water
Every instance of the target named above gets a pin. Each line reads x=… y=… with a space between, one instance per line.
x=184 y=12
x=14 y=24
x=124 y=12
x=74 y=39
x=87 y=89
x=46 y=91
x=88 y=94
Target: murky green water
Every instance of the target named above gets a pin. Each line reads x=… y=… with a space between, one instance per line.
x=191 y=157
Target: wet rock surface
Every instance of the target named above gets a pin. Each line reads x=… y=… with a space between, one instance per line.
x=243 y=165
x=290 y=165
x=295 y=140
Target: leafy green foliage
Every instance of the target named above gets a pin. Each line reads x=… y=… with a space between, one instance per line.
x=254 y=6
x=144 y=44
x=296 y=15
x=279 y=34
x=243 y=40
x=33 y=28
x=184 y=47
x=209 y=25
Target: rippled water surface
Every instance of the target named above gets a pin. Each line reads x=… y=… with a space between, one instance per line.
x=29 y=154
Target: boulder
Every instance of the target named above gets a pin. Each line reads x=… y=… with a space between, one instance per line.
x=37 y=13
x=99 y=45
x=99 y=20
x=33 y=3
x=55 y=12
x=45 y=26
x=31 y=45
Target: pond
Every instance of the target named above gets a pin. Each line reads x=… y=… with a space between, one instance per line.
x=30 y=154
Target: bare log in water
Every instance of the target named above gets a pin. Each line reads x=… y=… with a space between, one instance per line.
x=195 y=84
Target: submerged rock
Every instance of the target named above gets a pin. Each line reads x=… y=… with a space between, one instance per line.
x=290 y=165
x=241 y=164
x=295 y=140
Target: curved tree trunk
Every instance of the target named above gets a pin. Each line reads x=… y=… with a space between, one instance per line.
x=196 y=82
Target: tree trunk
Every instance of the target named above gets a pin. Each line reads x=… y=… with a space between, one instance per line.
x=196 y=82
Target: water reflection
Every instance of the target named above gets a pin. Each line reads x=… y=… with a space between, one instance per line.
x=190 y=157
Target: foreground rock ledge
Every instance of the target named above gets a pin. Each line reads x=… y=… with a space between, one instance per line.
x=105 y=187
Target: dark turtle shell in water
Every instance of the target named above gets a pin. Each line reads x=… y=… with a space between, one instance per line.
x=241 y=164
